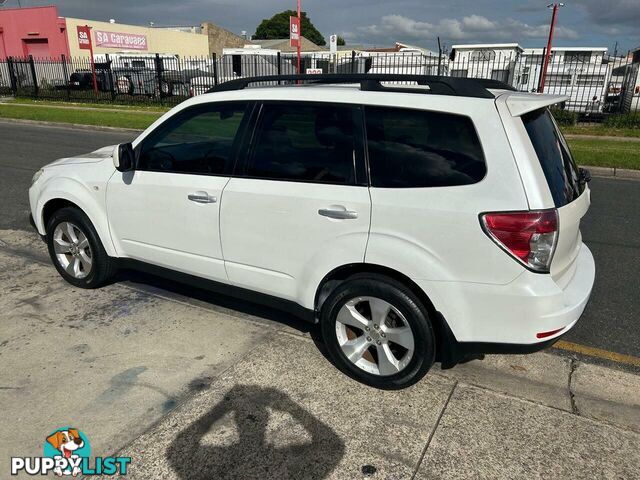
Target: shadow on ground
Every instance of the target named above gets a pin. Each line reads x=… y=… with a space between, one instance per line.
x=158 y=284
x=235 y=439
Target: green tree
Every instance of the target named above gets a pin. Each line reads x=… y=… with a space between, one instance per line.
x=340 y=41
x=278 y=27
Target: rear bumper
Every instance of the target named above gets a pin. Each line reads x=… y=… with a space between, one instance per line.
x=508 y=318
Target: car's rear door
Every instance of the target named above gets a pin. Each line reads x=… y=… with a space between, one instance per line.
x=166 y=212
x=299 y=204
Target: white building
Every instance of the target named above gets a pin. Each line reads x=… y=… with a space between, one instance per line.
x=580 y=72
x=488 y=60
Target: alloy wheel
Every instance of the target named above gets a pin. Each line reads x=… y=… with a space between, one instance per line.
x=374 y=335
x=72 y=250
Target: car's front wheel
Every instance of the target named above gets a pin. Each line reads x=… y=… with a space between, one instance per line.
x=76 y=250
x=378 y=332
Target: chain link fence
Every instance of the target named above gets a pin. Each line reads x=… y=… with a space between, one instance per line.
x=597 y=87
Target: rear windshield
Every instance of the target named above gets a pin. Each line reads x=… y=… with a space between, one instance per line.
x=555 y=158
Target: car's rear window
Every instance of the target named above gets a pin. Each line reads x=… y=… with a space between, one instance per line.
x=555 y=158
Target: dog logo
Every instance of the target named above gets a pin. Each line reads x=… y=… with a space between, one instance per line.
x=69 y=444
x=67 y=452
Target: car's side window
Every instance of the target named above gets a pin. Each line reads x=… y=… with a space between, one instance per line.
x=418 y=148
x=307 y=143
x=199 y=140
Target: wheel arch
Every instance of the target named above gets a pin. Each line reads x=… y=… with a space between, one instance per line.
x=342 y=273
x=56 y=200
x=53 y=205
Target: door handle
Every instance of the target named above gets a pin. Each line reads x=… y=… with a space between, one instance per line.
x=202 y=197
x=338 y=212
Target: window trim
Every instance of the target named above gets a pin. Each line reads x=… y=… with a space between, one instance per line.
x=237 y=141
x=475 y=130
x=249 y=143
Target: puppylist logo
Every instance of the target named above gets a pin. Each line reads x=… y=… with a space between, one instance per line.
x=67 y=451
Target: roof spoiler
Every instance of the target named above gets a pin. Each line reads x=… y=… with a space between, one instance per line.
x=521 y=103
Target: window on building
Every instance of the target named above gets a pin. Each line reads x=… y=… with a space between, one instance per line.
x=236 y=64
x=591 y=80
x=304 y=142
x=483 y=55
x=463 y=73
x=417 y=148
x=558 y=79
x=500 y=75
x=577 y=57
x=199 y=140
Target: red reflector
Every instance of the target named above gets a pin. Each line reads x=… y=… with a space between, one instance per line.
x=548 y=334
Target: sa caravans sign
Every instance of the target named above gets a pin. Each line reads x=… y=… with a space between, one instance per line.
x=294 y=31
x=128 y=41
x=84 y=37
x=125 y=41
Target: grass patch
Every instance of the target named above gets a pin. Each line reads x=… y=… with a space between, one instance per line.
x=121 y=119
x=601 y=131
x=80 y=104
x=606 y=153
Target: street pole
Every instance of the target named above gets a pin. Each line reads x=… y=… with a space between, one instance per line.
x=93 y=65
x=300 y=36
x=547 y=57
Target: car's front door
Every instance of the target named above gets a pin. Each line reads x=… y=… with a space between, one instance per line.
x=166 y=212
x=299 y=204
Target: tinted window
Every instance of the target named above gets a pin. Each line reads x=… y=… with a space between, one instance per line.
x=199 y=140
x=309 y=143
x=415 y=148
x=555 y=158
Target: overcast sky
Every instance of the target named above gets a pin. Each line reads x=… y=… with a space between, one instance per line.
x=371 y=22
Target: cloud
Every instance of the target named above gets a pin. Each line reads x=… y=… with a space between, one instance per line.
x=612 y=12
x=471 y=28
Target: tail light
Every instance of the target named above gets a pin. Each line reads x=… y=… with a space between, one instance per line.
x=529 y=237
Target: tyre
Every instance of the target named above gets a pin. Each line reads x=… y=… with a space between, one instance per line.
x=378 y=332
x=166 y=88
x=76 y=250
x=125 y=85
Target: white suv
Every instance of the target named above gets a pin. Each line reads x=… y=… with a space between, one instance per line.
x=421 y=222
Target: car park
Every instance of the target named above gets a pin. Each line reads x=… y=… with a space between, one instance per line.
x=416 y=219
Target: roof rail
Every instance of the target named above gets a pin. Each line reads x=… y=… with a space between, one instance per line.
x=461 y=87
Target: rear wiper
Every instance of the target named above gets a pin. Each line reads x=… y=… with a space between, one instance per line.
x=584 y=175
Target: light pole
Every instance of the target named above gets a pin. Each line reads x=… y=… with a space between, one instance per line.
x=547 y=56
x=300 y=35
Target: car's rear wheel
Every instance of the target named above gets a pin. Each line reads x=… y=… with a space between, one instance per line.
x=76 y=250
x=378 y=332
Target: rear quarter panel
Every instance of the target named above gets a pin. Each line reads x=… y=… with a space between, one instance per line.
x=434 y=233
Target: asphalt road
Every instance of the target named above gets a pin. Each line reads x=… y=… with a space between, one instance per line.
x=611 y=228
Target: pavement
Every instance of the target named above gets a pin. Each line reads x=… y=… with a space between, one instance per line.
x=192 y=385
x=192 y=390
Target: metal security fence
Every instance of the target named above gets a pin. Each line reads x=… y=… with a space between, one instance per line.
x=598 y=86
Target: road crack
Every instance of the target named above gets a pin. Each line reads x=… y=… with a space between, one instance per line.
x=572 y=368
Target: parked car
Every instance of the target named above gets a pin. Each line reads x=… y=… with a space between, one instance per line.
x=413 y=224
x=82 y=78
x=121 y=80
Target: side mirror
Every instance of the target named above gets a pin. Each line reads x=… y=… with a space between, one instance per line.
x=124 y=157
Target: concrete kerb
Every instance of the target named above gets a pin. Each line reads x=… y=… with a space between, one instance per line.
x=613 y=172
